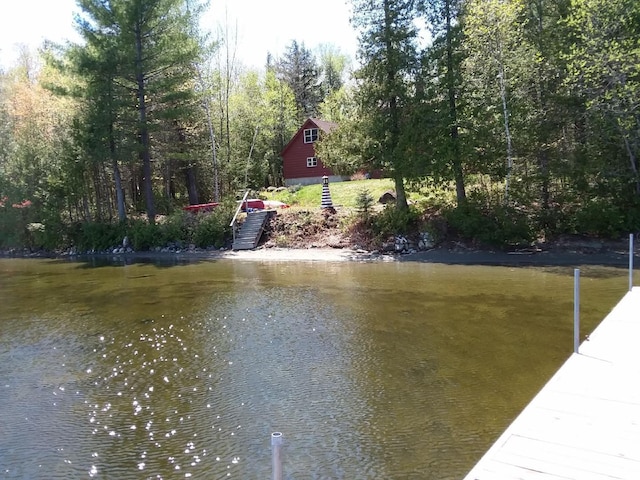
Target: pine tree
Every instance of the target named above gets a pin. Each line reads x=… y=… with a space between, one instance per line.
x=298 y=69
x=156 y=50
x=388 y=55
x=444 y=60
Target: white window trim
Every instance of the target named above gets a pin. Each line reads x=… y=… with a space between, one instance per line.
x=309 y=134
x=312 y=162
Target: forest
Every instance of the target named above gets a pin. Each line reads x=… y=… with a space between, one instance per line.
x=520 y=117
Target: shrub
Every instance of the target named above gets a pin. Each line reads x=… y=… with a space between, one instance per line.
x=209 y=231
x=144 y=235
x=177 y=227
x=391 y=221
x=364 y=202
x=212 y=228
x=54 y=235
x=601 y=217
x=11 y=227
x=98 y=236
x=499 y=226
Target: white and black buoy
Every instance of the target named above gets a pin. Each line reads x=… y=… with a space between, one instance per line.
x=326 y=194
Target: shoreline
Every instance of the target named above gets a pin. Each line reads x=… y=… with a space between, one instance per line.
x=613 y=257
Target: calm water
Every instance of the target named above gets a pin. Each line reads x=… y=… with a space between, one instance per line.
x=371 y=371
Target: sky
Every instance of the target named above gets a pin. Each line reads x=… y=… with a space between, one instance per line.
x=262 y=26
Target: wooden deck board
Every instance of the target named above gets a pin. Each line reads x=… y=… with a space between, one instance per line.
x=585 y=423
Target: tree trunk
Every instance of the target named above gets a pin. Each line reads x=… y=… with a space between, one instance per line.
x=543 y=163
x=633 y=162
x=192 y=189
x=456 y=162
x=401 y=196
x=143 y=130
x=97 y=182
x=117 y=179
x=212 y=139
x=507 y=132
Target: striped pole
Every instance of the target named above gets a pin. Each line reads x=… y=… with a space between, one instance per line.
x=326 y=195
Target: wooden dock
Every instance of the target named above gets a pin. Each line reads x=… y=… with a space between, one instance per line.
x=585 y=423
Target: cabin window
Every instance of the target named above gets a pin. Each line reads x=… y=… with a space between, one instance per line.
x=310 y=135
x=312 y=162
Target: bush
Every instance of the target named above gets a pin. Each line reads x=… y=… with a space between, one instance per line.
x=391 y=221
x=212 y=228
x=144 y=235
x=11 y=227
x=97 y=236
x=54 y=235
x=500 y=226
x=177 y=227
x=364 y=202
x=601 y=217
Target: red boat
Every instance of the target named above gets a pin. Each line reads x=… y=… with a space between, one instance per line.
x=201 y=207
x=250 y=204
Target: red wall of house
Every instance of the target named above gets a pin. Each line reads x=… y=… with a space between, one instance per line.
x=294 y=160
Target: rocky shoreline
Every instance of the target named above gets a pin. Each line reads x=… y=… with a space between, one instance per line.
x=614 y=254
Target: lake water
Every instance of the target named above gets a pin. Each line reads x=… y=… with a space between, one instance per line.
x=370 y=370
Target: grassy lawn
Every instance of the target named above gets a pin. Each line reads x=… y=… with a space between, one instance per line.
x=343 y=194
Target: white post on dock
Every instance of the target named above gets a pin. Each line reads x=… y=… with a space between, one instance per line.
x=630 y=261
x=576 y=310
x=276 y=455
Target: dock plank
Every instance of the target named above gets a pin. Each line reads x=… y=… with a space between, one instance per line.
x=585 y=422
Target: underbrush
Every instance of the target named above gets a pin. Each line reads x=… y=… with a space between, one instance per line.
x=481 y=222
x=179 y=230
x=500 y=226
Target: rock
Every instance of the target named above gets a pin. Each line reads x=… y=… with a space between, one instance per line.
x=426 y=241
x=387 y=197
x=401 y=244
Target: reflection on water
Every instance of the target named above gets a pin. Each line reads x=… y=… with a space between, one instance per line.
x=371 y=370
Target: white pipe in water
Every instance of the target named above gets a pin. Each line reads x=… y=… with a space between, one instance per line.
x=630 y=261
x=576 y=310
x=276 y=455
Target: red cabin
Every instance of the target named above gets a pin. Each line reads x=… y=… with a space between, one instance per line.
x=300 y=164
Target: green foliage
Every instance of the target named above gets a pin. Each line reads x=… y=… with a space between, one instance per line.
x=394 y=221
x=602 y=68
x=298 y=69
x=603 y=218
x=144 y=235
x=12 y=227
x=177 y=227
x=95 y=236
x=343 y=150
x=388 y=77
x=212 y=229
x=498 y=226
x=150 y=46
x=364 y=202
x=536 y=102
x=51 y=234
